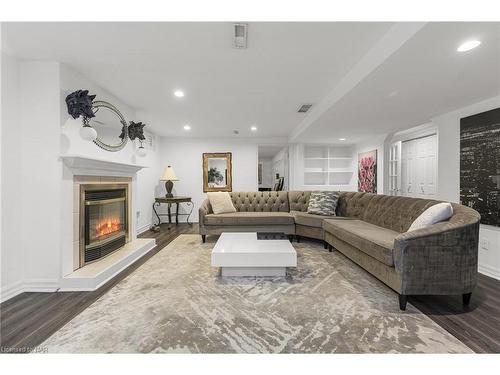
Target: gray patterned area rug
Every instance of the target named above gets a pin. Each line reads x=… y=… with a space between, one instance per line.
x=176 y=302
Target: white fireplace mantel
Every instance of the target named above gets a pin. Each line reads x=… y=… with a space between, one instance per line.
x=78 y=169
x=85 y=165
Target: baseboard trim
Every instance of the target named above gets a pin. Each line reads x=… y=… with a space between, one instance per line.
x=11 y=291
x=37 y=285
x=143 y=229
x=489 y=271
x=31 y=285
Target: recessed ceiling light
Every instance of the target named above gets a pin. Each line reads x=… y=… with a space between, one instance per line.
x=179 y=93
x=187 y=127
x=393 y=93
x=342 y=139
x=467 y=46
x=253 y=128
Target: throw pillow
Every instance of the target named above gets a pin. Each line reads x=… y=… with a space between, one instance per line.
x=435 y=214
x=323 y=203
x=221 y=202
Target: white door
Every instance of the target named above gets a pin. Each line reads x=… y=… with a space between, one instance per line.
x=395 y=169
x=419 y=167
x=408 y=177
x=429 y=171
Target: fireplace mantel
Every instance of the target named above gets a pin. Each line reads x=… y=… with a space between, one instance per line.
x=83 y=165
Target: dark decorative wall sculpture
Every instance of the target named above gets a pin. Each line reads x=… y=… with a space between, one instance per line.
x=480 y=164
x=80 y=104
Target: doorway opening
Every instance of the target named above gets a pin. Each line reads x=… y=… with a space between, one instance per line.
x=272 y=167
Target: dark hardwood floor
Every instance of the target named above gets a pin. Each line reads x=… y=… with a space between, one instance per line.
x=477 y=326
x=29 y=318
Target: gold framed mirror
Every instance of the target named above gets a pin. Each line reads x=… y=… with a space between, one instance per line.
x=217 y=172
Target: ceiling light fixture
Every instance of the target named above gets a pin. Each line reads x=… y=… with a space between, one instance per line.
x=342 y=139
x=187 y=127
x=179 y=93
x=467 y=46
x=253 y=128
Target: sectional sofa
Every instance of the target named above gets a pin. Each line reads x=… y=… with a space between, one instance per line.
x=371 y=230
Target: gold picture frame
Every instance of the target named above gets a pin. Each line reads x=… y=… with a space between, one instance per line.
x=217 y=171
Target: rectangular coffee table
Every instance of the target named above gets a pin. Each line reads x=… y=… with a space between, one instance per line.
x=242 y=254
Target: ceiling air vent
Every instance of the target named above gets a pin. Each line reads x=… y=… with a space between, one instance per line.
x=240 y=31
x=304 y=108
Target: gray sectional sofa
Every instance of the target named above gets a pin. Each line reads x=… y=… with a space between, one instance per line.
x=371 y=230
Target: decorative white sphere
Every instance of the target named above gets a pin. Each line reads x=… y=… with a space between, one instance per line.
x=88 y=133
x=141 y=151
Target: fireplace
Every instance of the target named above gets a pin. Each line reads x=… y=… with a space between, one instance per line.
x=103 y=220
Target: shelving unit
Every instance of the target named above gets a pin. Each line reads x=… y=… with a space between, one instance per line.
x=328 y=165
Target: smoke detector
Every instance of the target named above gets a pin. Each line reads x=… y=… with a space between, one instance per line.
x=240 y=31
x=304 y=108
x=236 y=132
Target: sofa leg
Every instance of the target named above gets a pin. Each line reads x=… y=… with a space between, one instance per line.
x=330 y=248
x=466 y=299
x=297 y=237
x=203 y=238
x=325 y=245
x=403 y=298
x=290 y=237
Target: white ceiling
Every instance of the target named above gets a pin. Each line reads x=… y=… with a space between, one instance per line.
x=285 y=65
x=269 y=151
x=424 y=78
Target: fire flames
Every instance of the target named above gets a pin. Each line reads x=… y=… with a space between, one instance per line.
x=107 y=226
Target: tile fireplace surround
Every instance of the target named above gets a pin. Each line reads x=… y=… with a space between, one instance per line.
x=78 y=171
x=104 y=182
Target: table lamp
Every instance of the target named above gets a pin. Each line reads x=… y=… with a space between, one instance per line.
x=169 y=176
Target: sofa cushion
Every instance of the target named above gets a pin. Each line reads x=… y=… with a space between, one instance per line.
x=260 y=201
x=371 y=239
x=323 y=203
x=310 y=220
x=221 y=202
x=250 y=218
x=299 y=200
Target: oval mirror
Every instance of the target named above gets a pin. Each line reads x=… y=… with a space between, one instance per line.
x=110 y=125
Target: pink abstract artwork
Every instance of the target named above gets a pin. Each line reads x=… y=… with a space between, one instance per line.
x=367 y=172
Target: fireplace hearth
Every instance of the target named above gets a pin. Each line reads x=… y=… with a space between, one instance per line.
x=103 y=220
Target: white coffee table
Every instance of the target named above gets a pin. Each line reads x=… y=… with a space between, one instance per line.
x=242 y=254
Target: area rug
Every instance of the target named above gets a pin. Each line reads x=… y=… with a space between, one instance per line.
x=177 y=303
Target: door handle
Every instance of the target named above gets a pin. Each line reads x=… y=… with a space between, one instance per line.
x=422 y=188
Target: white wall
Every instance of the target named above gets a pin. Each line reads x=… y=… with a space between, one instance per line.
x=448 y=126
x=12 y=255
x=1 y=54
x=185 y=156
x=30 y=175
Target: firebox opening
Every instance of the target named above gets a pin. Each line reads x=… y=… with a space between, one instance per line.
x=105 y=226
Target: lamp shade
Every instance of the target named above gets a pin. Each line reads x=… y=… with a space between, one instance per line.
x=169 y=175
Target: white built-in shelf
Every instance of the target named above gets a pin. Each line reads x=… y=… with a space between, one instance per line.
x=328 y=165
